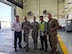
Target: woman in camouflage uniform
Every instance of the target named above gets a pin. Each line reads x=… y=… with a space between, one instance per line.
x=35 y=27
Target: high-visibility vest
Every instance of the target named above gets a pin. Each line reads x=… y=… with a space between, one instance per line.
x=42 y=26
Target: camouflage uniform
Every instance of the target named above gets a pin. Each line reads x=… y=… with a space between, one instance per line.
x=35 y=27
x=53 y=23
x=26 y=27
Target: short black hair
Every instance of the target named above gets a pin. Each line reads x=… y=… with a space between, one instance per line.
x=17 y=16
x=41 y=17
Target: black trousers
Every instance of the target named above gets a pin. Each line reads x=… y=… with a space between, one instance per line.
x=17 y=35
x=44 y=41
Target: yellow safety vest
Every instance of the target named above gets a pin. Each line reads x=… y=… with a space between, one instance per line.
x=41 y=26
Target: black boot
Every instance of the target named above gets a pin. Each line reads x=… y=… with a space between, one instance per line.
x=41 y=49
x=45 y=50
x=15 y=49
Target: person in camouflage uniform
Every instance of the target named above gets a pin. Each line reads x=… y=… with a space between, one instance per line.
x=35 y=27
x=52 y=30
x=26 y=27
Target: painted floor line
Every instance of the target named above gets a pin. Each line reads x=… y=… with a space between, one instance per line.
x=64 y=49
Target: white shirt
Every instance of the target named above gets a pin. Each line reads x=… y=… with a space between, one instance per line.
x=16 y=26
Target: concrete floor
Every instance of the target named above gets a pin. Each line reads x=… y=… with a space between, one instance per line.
x=67 y=39
x=6 y=44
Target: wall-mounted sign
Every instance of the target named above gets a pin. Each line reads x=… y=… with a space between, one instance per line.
x=18 y=3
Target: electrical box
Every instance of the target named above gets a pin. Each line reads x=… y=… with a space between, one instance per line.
x=69 y=25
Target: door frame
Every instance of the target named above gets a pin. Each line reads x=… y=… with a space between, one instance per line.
x=13 y=10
